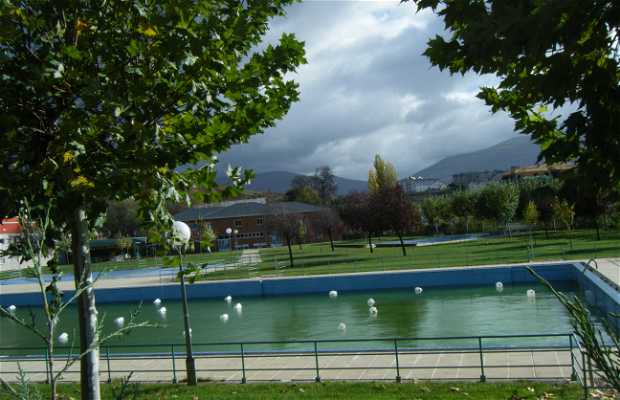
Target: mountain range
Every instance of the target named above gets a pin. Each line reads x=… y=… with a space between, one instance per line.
x=517 y=151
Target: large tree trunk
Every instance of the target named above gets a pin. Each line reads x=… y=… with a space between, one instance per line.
x=402 y=244
x=87 y=312
x=290 y=251
x=370 y=242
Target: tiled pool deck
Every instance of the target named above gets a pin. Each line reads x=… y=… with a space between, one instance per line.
x=548 y=365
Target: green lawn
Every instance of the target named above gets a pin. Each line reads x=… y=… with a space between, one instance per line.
x=212 y=258
x=312 y=259
x=357 y=391
x=318 y=258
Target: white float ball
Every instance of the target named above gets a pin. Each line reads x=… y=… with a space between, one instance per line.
x=499 y=286
x=530 y=293
x=238 y=308
x=162 y=311
x=228 y=299
x=333 y=294
x=370 y=302
x=373 y=310
x=119 y=322
x=418 y=290
x=224 y=318
x=342 y=326
x=12 y=308
x=157 y=302
x=63 y=338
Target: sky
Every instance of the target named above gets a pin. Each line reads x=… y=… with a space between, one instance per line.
x=368 y=89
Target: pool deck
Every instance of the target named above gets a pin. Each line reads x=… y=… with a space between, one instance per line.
x=609 y=267
x=546 y=365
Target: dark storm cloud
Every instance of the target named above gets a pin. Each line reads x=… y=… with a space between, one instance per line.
x=367 y=89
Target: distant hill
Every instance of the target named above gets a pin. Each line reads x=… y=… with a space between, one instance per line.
x=518 y=151
x=280 y=182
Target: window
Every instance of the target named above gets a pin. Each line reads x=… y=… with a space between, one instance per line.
x=259 y=221
x=237 y=223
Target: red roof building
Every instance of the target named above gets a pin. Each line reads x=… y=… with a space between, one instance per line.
x=10 y=226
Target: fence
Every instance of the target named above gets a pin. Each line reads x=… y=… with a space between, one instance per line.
x=474 y=358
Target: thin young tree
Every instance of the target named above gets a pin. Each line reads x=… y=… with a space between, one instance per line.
x=286 y=225
x=104 y=100
x=35 y=247
x=530 y=217
x=393 y=207
x=356 y=212
x=328 y=221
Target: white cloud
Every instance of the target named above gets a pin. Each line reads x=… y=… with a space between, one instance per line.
x=368 y=89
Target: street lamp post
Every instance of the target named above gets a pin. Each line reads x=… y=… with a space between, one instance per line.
x=181 y=235
x=235 y=233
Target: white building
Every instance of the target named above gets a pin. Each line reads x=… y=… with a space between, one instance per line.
x=419 y=184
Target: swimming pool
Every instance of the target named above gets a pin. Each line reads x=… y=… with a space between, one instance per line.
x=455 y=302
x=436 y=312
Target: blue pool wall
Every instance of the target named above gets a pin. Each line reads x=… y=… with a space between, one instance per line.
x=601 y=295
x=598 y=294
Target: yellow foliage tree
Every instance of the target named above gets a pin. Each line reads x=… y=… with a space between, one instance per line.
x=382 y=175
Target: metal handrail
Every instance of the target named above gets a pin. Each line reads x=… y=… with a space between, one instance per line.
x=397 y=348
x=310 y=341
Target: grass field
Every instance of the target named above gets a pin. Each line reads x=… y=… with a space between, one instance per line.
x=227 y=257
x=318 y=258
x=333 y=391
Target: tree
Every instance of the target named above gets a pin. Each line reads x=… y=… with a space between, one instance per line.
x=325 y=182
x=305 y=194
x=382 y=175
x=530 y=216
x=499 y=202
x=103 y=101
x=287 y=226
x=328 y=221
x=393 y=207
x=435 y=209
x=463 y=206
x=564 y=212
x=121 y=219
x=317 y=189
x=592 y=199
x=549 y=56
x=356 y=213
x=544 y=197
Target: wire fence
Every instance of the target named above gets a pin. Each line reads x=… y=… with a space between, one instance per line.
x=462 y=358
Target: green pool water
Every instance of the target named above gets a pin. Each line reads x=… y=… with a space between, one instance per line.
x=401 y=313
